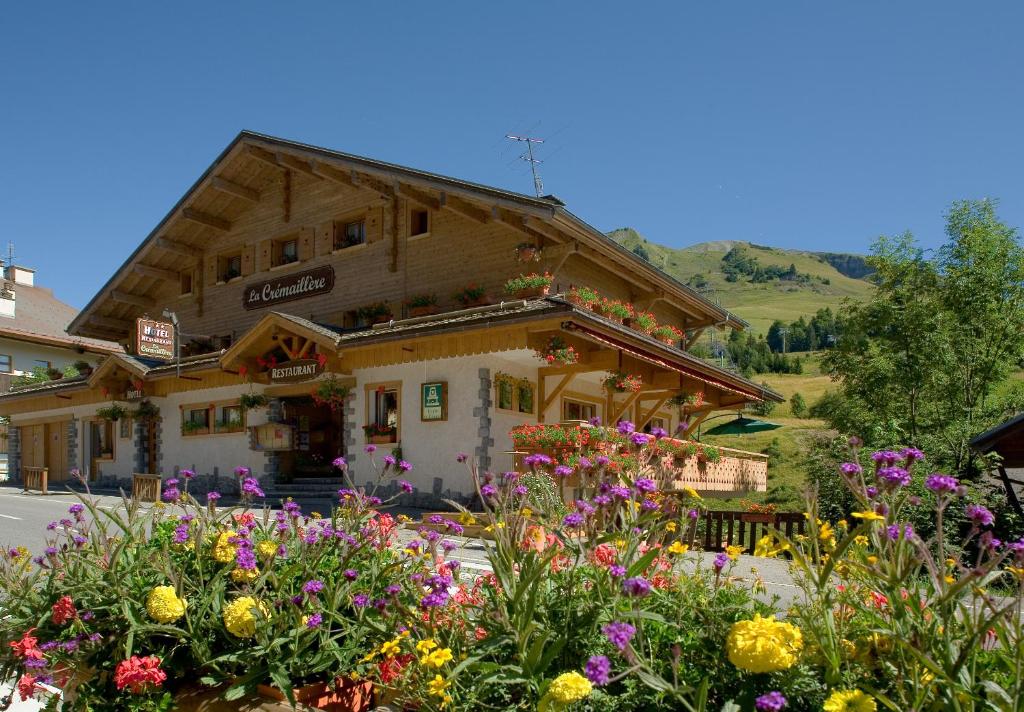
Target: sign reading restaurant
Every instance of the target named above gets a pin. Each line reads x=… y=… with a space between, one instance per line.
x=154 y=339
x=294 y=371
x=288 y=287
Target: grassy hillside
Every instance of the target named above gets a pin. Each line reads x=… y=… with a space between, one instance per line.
x=701 y=267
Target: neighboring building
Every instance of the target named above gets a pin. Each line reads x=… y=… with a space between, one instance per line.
x=1006 y=440
x=280 y=257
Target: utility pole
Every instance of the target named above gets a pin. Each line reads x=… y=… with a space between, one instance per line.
x=538 y=185
x=783 y=332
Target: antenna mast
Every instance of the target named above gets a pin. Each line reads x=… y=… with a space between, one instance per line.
x=538 y=185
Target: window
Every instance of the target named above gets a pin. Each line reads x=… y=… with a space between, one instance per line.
x=185 y=282
x=419 y=222
x=230 y=418
x=383 y=417
x=195 y=421
x=229 y=267
x=349 y=234
x=513 y=394
x=286 y=251
x=578 y=410
x=37 y=363
x=5 y=363
x=101 y=439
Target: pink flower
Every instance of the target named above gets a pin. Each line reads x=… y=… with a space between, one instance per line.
x=139 y=674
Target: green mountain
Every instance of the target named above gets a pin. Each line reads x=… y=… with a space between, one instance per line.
x=758 y=283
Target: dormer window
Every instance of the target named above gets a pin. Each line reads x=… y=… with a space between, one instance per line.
x=229 y=266
x=419 y=222
x=286 y=251
x=349 y=234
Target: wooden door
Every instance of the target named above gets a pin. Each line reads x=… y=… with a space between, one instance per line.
x=57 y=451
x=33 y=446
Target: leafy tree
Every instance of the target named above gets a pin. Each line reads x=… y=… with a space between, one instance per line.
x=764 y=407
x=798 y=406
x=923 y=360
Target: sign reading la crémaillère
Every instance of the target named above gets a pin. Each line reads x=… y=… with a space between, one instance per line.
x=288 y=287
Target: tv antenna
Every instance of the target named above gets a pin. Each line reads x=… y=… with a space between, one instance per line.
x=538 y=185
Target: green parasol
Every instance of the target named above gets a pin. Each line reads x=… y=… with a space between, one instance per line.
x=741 y=426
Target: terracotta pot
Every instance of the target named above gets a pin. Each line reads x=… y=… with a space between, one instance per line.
x=532 y=292
x=426 y=310
x=478 y=302
x=757 y=517
x=345 y=696
x=380 y=439
x=381 y=319
x=666 y=340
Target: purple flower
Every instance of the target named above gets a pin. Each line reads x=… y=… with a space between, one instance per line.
x=598 y=670
x=871 y=492
x=620 y=492
x=645 y=485
x=252 y=487
x=488 y=490
x=720 y=562
x=389 y=460
x=572 y=520
x=350 y=574
x=637 y=587
x=172 y=482
x=242 y=471
x=771 y=702
x=67 y=523
x=181 y=534
x=404 y=466
x=314 y=620
x=594 y=422
x=894 y=476
x=461 y=457
x=313 y=586
x=910 y=454
x=171 y=494
x=893 y=531
x=187 y=474
x=980 y=516
x=585 y=464
x=32 y=663
x=659 y=433
x=79 y=540
x=435 y=519
x=405 y=486
x=212 y=496
x=370 y=449
x=602 y=460
x=436 y=599
x=638 y=439
x=693 y=514
x=245 y=558
x=625 y=427
x=76 y=509
x=649 y=505
x=617 y=571
x=885 y=457
x=619 y=634
x=448 y=546
x=360 y=600
x=851 y=468
x=563 y=471
x=51 y=526
x=393 y=590
x=520 y=490
x=536 y=460
x=340 y=463
x=941 y=484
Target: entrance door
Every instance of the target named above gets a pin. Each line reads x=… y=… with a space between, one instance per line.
x=57 y=451
x=318 y=438
x=149 y=446
x=33 y=445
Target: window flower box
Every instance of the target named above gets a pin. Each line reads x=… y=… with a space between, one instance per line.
x=422 y=305
x=529 y=286
x=342 y=696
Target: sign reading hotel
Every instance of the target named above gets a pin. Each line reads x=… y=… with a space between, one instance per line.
x=286 y=288
x=303 y=369
x=154 y=339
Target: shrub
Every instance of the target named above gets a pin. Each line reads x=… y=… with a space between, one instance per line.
x=798 y=406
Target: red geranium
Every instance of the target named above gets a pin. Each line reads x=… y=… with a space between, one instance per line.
x=64 y=610
x=138 y=674
x=26 y=686
x=26 y=647
x=391 y=668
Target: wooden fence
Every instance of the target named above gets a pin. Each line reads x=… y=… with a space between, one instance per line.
x=35 y=478
x=716 y=530
x=145 y=487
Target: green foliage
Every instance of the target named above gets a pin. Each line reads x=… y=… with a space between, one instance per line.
x=752 y=354
x=925 y=358
x=820 y=331
x=797 y=406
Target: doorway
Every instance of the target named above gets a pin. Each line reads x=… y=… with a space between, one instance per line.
x=46 y=445
x=319 y=435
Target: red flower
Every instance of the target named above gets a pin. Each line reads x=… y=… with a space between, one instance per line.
x=26 y=647
x=138 y=674
x=391 y=668
x=321 y=359
x=243 y=370
x=64 y=610
x=26 y=686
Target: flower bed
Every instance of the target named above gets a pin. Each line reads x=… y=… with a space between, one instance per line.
x=600 y=605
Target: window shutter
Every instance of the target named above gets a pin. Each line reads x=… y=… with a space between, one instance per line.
x=324 y=238
x=305 y=247
x=374 y=224
x=248 y=260
x=265 y=256
x=211 y=270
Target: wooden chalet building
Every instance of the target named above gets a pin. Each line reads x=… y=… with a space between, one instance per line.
x=276 y=264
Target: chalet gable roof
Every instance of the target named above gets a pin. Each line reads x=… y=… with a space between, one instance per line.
x=227 y=189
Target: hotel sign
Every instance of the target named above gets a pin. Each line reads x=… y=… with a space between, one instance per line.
x=154 y=339
x=304 y=369
x=286 y=288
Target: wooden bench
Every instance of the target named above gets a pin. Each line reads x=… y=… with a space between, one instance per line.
x=35 y=478
x=146 y=487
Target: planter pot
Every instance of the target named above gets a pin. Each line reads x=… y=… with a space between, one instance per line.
x=668 y=340
x=380 y=439
x=478 y=302
x=345 y=696
x=757 y=517
x=381 y=319
x=532 y=292
x=527 y=254
x=56 y=376
x=427 y=310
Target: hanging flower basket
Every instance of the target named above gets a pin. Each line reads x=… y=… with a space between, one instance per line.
x=529 y=286
x=557 y=351
x=527 y=252
x=252 y=401
x=620 y=382
x=331 y=393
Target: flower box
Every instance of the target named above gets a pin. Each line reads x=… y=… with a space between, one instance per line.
x=344 y=696
x=428 y=310
x=532 y=292
x=755 y=517
x=380 y=439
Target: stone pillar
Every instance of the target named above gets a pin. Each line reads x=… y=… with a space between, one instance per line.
x=348 y=438
x=483 y=413
x=73 y=443
x=140 y=440
x=14 y=454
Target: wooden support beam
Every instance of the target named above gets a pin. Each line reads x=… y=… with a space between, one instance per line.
x=128 y=298
x=543 y=228
x=107 y=322
x=178 y=248
x=623 y=407
x=214 y=221
x=237 y=190
x=418 y=196
x=156 y=272
x=548 y=399
x=696 y=418
x=646 y=417
x=461 y=207
x=262 y=154
x=335 y=175
x=297 y=164
x=692 y=337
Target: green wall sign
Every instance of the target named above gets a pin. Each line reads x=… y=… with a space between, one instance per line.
x=434 y=401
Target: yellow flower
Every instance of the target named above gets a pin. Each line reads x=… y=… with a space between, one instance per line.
x=766 y=546
x=872 y=560
x=734 y=551
x=239 y=618
x=244 y=575
x=843 y=524
x=425 y=646
x=163 y=604
x=438 y=686
x=316 y=515
x=868 y=516
x=391 y=647
x=404 y=518
x=826 y=533
x=860 y=540
x=437 y=658
x=569 y=687
x=678 y=548
x=466 y=518
x=1016 y=571
x=849 y=701
x=620 y=543
x=223 y=550
x=266 y=549
x=366 y=658
x=691 y=493
x=764 y=644
x=526 y=512
x=671 y=527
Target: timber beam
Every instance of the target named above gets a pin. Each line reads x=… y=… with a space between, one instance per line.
x=417 y=196
x=235 y=189
x=548 y=399
x=463 y=208
x=214 y=221
x=617 y=410
x=129 y=298
x=178 y=248
x=156 y=272
x=107 y=322
x=646 y=417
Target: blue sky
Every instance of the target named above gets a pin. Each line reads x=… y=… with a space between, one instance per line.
x=798 y=124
